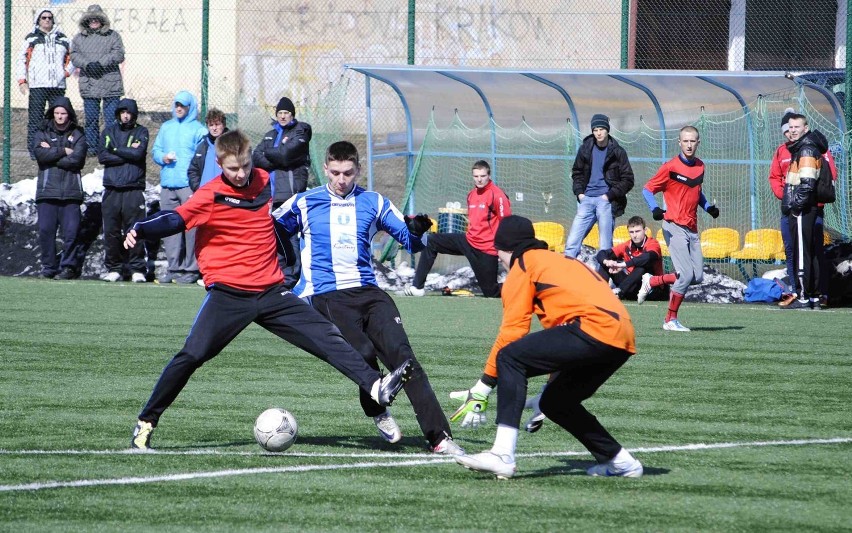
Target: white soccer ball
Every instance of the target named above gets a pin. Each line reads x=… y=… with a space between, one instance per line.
x=275 y=429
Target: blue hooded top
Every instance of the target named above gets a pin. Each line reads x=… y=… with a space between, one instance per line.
x=179 y=136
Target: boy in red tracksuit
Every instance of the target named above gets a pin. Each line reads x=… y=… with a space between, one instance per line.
x=680 y=180
x=487 y=205
x=236 y=248
x=629 y=262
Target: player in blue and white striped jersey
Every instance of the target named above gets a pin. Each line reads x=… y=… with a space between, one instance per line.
x=336 y=224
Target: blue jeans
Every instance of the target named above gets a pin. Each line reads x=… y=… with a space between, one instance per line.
x=589 y=211
x=92 y=109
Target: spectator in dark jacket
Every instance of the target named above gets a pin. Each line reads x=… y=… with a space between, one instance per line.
x=602 y=177
x=122 y=150
x=285 y=154
x=98 y=51
x=204 y=166
x=60 y=150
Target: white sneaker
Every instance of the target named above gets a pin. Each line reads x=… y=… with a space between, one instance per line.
x=388 y=428
x=644 y=289
x=448 y=447
x=503 y=466
x=111 y=277
x=674 y=325
x=200 y=282
x=138 y=277
x=411 y=291
x=622 y=465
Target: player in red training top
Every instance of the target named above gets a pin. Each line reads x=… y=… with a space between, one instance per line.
x=628 y=263
x=680 y=180
x=487 y=205
x=236 y=250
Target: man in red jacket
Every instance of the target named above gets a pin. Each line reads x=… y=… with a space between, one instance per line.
x=627 y=263
x=487 y=205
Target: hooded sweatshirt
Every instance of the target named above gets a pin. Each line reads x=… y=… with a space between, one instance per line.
x=98 y=55
x=59 y=172
x=124 y=164
x=45 y=58
x=181 y=137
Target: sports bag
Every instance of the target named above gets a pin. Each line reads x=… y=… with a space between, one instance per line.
x=763 y=290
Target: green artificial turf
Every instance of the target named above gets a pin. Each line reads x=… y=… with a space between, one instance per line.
x=80 y=358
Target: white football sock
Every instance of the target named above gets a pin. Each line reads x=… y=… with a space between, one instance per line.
x=504 y=441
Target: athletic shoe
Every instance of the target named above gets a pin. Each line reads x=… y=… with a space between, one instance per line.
x=816 y=304
x=141 y=439
x=200 y=283
x=644 y=289
x=787 y=299
x=66 y=273
x=187 y=278
x=447 y=447
x=411 y=291
x=503 y=466
x=138 y=277
x=799 y=304
x=823 y=301
x=535 y=422
x=674 y=325
x=390 y=385
x=111 y=277
x=168 y=277
x=388 y=428
x=622 y=465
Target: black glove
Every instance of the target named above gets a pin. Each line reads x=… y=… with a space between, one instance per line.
x=419 y=224
x=657 y=213
x=713 y=211
x=94 y=69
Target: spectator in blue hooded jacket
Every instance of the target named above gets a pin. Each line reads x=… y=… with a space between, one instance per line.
x=173 y=150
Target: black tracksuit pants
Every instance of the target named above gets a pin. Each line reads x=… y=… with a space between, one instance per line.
x=484 y=265
x=225 y=312
x=583 y=363
x=370 y=321
x=121 y=208
x=628 y=282
x=806 y=262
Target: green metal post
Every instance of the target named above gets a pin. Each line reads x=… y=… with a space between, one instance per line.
x=205 y=54
x=7 y=94
x=625 y=31
x=411 y=10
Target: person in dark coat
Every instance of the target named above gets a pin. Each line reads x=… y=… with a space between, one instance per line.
x=60 y=150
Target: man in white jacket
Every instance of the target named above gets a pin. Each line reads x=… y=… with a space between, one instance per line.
x=42 y=66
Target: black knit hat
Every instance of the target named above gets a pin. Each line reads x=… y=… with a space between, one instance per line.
x=789 y=112
x=512 y=232
x=285 y=104
x=600 y=121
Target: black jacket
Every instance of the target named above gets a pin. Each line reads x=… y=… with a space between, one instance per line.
x=292 y=154
x=800 y=182
x=59 y=172
x=196 y=164
x=124 y=165
x=618 y=173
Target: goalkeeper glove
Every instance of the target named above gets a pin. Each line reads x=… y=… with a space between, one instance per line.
x=713 y=211
x=419 y=224
x=657 y=213
x=472 y=411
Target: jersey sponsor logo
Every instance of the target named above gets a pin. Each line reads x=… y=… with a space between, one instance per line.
x=252 y=204
x=345 y=242
x=686 y=180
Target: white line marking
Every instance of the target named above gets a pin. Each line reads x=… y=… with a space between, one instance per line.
x=418 y=459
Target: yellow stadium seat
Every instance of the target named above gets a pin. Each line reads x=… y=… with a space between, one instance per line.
x=553 y=233
x=593 y=239
x=663 y=246
x=719 y=243
x=760 y=245
x=434 y=228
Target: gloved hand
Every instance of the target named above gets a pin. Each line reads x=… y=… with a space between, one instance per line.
x=657 y=213
x=472 y=410
x=94 y=69
x=713 y=211
x=419 y=224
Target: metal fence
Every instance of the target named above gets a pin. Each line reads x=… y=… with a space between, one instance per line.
x=243 y=56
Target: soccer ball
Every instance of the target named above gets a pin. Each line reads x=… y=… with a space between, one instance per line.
x=275 y=429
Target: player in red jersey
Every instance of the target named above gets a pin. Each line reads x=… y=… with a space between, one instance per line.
x=628 y=263
x=680 y=180
x=487 y=205
x=236 y=250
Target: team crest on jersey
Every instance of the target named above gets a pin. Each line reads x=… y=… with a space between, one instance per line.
x=343 y=219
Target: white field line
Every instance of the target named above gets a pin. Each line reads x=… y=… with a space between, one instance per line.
x=418 y=460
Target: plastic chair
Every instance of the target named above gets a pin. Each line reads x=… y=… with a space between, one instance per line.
x=620 y=235
x=593 y=239
x=760 y=246
x=664 y=248
x=553 y=233
x=719 y=243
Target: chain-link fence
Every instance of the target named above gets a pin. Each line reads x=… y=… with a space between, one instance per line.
x=257 y=52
